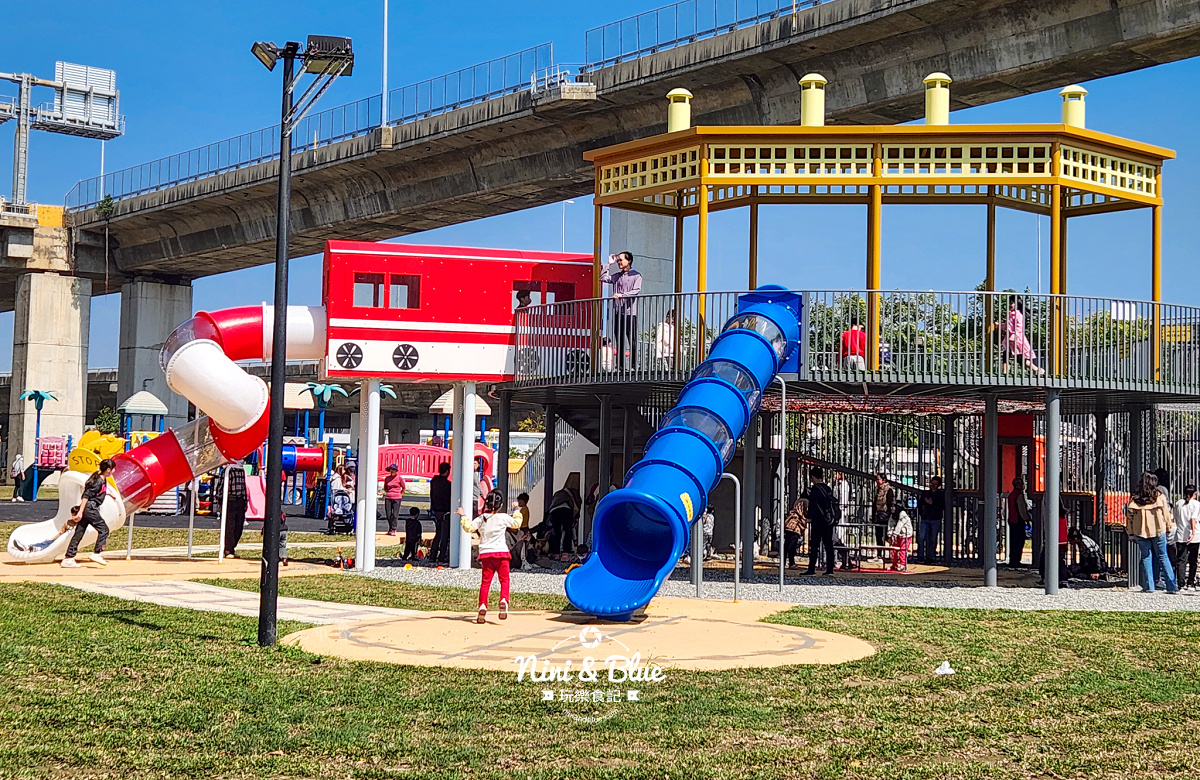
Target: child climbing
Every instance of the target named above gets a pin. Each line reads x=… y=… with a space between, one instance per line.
x=494 y=557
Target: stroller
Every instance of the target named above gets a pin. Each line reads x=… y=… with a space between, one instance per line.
x=341 y=513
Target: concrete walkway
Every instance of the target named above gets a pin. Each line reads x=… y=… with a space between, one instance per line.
x=210 y=598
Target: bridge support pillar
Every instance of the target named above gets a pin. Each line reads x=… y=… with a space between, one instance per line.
x=651 y=238
x=50 y=353
x=150 y=312
x=990 y=460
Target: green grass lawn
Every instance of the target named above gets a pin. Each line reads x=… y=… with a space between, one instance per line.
x=97 y=687
x=144 y=538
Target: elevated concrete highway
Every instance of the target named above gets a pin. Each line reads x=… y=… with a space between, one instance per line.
x=524 y=150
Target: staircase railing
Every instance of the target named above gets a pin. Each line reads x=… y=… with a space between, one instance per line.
x=534 y=469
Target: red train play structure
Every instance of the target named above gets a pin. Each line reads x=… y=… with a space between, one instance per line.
x=434 y=313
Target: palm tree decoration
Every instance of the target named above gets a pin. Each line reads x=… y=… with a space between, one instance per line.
x=323 y=394
x=39 y=398
x=387 y=390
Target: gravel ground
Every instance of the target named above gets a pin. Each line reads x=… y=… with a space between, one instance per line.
x=840 y=591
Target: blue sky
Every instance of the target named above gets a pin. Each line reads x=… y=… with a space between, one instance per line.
x=187 y=78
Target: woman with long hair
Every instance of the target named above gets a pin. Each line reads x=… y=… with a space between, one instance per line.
x=1148 y=520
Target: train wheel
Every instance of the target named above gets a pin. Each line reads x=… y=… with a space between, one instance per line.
x=405 y=357
x=578 y=362
x=528 y=361
x=349 y=356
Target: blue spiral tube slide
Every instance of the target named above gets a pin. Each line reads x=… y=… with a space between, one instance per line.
x=641 y=530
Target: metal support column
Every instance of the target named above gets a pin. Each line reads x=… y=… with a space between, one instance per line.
x=990 y=460
x=368 y=471
x=549 y=447
x=605 y=475
x=466 y=488
x=1053 y=470
x=754 y=240
x=504 y=445
x=21 y=140
x=361 y=526
x=749 y=497
x=1100 y=470
x=1137 y=464
x=948 y=458
x=457 y=478
x=626 y=441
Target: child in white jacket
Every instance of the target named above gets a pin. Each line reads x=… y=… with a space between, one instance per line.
x=494 y=556
x=901 y=535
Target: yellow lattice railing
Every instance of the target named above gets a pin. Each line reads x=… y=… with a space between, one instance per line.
x=658 y=170
x=1107 y=170
x=1018 y=159
x=788 y=160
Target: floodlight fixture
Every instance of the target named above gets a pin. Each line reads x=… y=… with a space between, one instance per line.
x=266 y=52
x=329 y=53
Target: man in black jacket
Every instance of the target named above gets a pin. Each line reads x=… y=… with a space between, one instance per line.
x=823 y=512
x=439 y=507
x=931 y=508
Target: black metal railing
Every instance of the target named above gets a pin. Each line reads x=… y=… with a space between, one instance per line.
x=966 y=338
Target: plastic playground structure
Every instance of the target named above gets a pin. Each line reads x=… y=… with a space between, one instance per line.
x=640 y=531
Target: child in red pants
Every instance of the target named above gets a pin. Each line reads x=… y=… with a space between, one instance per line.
x=901 y=536
x=493 y=549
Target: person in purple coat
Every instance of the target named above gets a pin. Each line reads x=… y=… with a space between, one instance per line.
x=626 y=287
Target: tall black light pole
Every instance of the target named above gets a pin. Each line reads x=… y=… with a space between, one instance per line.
x=269 y=585
x=328 y=58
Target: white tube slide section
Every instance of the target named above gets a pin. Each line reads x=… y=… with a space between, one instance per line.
x=201 y=373
x=305 y=332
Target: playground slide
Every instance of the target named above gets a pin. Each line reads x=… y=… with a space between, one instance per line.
x=640 y=531
x=46 y=540
x=198 y=360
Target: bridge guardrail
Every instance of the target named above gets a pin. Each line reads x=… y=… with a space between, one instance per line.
x=679 y=24
x=954 y=338
x=324 y=127
x=488 y=80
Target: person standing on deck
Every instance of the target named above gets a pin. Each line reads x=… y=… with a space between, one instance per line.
x=626 y=287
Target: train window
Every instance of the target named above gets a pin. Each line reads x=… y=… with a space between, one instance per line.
x=557 y=292
x=405 y=292
x=368 y=290
x=526 y=294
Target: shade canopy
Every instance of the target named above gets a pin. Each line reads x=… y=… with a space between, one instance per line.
x=445 y=405
x=143 y=402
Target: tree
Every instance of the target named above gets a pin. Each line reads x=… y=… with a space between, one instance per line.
x=533 y=422
x=108 y=421
x=105 y=210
